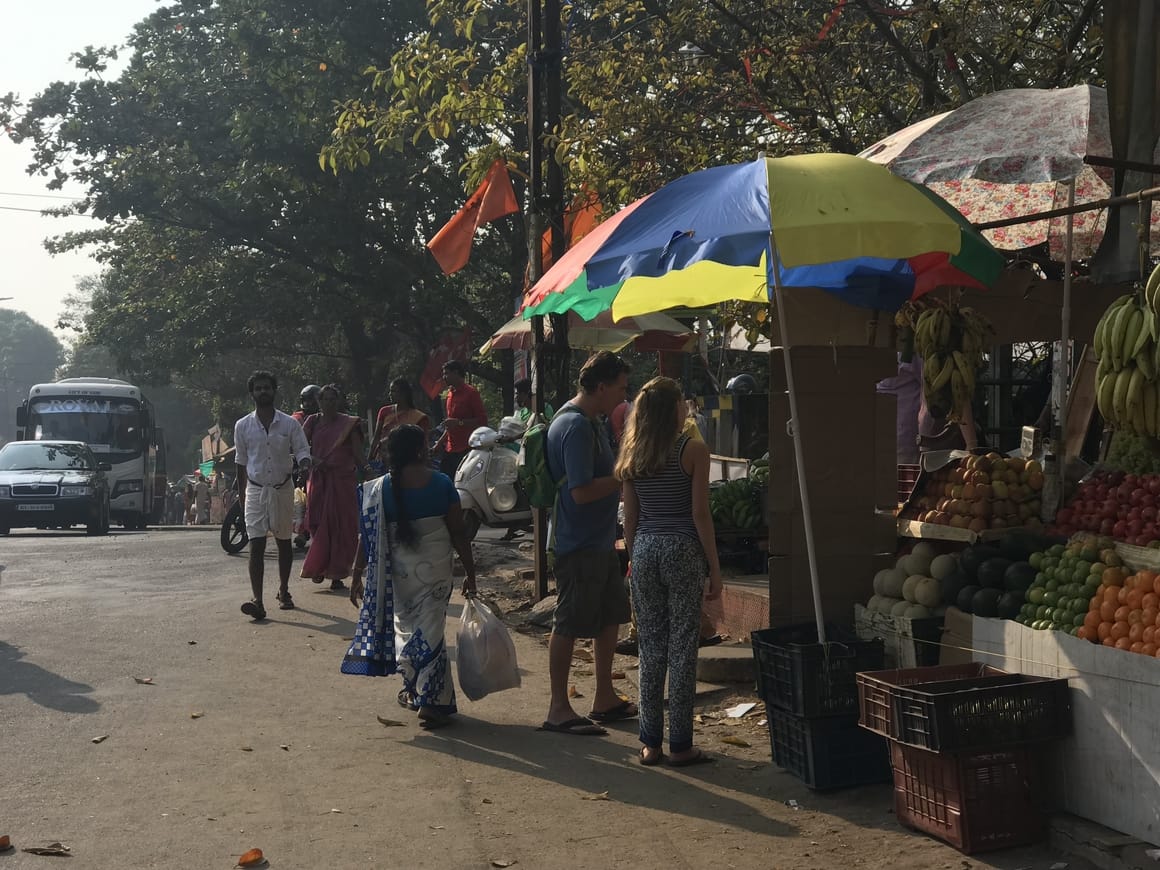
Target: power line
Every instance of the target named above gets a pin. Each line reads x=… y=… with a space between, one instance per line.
x=14 y=208
x=40 y=195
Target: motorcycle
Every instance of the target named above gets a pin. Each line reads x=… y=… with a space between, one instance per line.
x=488 y=480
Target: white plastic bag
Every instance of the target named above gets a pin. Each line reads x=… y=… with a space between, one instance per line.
x=485 y=655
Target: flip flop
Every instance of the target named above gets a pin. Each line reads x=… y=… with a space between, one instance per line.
x=285 y=602
x=337 y=586
x=254 y=610
x=624 y=710
x=407 y=700
x=699 y=758
x=579 y=726
x=659 y=758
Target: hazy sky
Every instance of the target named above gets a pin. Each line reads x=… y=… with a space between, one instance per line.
x=38 y=39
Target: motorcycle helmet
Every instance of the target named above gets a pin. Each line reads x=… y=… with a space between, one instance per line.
x=742 y=384
x=309 y=394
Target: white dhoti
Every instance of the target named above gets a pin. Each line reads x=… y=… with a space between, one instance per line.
x=269 y=509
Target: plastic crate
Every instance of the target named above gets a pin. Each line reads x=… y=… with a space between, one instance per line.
x=827 y=753
x=876 y=690
x=810 y=679
x=982 y=713
x=977 y=802
x=907 y=478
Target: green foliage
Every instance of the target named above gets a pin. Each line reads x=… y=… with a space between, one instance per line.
x=29 y=354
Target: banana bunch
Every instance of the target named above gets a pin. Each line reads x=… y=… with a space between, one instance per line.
x=952 y=342
x=1127 y=345
x=736 y=504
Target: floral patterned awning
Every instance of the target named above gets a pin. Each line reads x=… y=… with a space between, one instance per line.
x=1010 y=154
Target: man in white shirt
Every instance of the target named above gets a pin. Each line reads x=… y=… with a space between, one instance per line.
x=266 y=444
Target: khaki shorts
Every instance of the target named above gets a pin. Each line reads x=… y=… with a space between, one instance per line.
x=591 y=593
x=269 y=510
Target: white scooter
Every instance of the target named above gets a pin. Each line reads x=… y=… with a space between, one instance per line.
x=488 y=480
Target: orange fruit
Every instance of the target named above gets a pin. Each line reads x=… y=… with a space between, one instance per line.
x=1104 y=630
x=1150 y=614
x=1147 y=578
x=1149 y=633
x=1107 y=611
x=1108 y=641
x=1135 y=617
x=1112 y=577
x=1136 y=633
x=1085 y=633
x=1135 y=599
x=1149 y=649
x=1156 y=585
x=1111 y=593
x=1122 y=594
x=1092 y=620
x=1138 y=646
x=1121 y=614
x=1150 y=599
x=1120 y=630
x=1124 y=644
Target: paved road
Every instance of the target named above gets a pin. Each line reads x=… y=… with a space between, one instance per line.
x=287 y=755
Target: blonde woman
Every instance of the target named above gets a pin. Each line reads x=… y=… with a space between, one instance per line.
x=669 y=535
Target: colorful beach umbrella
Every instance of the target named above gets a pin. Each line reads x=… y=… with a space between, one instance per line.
x=745 y=231
x=840 y=223
x=646 y=332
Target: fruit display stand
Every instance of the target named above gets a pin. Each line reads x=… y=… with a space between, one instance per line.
x=1107 y=770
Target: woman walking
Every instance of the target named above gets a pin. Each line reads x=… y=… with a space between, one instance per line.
x=336 y=445
x=400 y=412
x=411 y=528
x=668 y=532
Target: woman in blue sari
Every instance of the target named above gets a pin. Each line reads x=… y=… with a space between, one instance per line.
x=412 y=526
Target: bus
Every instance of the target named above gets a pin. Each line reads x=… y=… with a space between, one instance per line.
x=116 y=420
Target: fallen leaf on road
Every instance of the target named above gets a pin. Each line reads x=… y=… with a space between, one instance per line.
x=196 y=714
x=584 y=655
x=503 y=862
x=285 y=747
x=101 y=738
x=618 y=675
x=735 y=741
x=436 y=827
x=603 y=796
x=390 y=723
x=486 y=800
x=5 y=843
x=192 y=642
x=583 y=672
x=573 y=693
x=55 y=849
x=144 y=681
x=247 y=749
x=252 y=858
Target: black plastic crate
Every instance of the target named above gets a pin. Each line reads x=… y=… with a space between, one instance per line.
x=828 y=753
x=983 y=713
x=807 y=678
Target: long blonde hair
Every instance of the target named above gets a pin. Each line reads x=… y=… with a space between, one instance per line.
x=652 y=430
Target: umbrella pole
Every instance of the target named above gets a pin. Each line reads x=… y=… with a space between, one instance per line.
x=795 y=432
x=1063 y=370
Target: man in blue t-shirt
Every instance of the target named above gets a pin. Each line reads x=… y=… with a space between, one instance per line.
x=592 y=600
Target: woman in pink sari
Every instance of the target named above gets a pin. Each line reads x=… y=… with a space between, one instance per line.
x=337 y=450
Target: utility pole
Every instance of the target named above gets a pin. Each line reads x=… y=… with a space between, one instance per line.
x=545 y=206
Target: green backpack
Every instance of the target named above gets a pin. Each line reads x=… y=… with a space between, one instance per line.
x=539 y=485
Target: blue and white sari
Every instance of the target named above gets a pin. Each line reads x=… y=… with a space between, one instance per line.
x=404 y=611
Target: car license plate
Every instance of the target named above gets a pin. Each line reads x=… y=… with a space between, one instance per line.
x=35 y=507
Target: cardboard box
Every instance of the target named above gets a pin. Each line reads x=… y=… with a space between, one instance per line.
x=957 y=638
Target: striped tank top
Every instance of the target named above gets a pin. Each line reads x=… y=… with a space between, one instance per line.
x=666 y=501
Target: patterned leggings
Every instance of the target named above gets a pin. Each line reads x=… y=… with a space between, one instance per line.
x=668 y=581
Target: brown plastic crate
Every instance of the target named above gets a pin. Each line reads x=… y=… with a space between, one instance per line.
x=983 y=713
x=876 y=690
x=977 y=802
x=907 y=477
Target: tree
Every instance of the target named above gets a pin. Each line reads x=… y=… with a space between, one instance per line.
x=29 y=354
x=224 y=240
x=657 y=88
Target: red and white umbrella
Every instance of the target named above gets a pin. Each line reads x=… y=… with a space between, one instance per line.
x=1011 y=153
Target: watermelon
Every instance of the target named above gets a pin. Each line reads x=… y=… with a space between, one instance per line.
x=950 y=585
x=1010 y=605
x=990 y=573
x=1018 y=577
x=972 y=557
x=966 y=600
x=986 y=602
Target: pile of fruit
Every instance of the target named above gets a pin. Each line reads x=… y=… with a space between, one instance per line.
x=736 y=504
x=919 y=585
x=952 y=342
x=1111 y=503
x=980 y=493
x=1066 y=579
x=1127 y=345
x=1124 y=612
x=993 y=579
x=1133 y=454
x=759 y=471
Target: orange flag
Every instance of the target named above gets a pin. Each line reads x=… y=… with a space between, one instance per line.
x=493 y=199
x=580 y=218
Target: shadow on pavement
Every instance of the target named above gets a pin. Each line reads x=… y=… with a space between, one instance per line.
x=326 y=623
x=42 y=686
x=592 y=765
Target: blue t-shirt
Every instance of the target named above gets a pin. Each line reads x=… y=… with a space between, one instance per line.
x=578 y=449
x=433 y=500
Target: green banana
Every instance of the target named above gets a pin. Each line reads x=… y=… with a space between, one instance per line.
x=1145 y=335
x=1131 y=333
x=1150 y=409
x=1104 y=389
x=1152 y=287
x=1120 y=397
x=1146 y=362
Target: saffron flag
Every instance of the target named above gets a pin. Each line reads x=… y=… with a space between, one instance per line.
x=580 y=218
x=493 y=199
x=451 y=346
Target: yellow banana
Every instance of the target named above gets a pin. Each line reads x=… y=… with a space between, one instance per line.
x=1120 y=396
x=944 y=374
x=1118 y=328
x=1135 y=398
x=1131 y=333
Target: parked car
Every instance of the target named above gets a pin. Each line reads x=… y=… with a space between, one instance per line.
x=52 y=484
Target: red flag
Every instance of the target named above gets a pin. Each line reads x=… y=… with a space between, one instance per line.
x=451 y=346
x=494 y=198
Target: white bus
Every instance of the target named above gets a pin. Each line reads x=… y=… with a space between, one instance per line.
x=116 y=421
